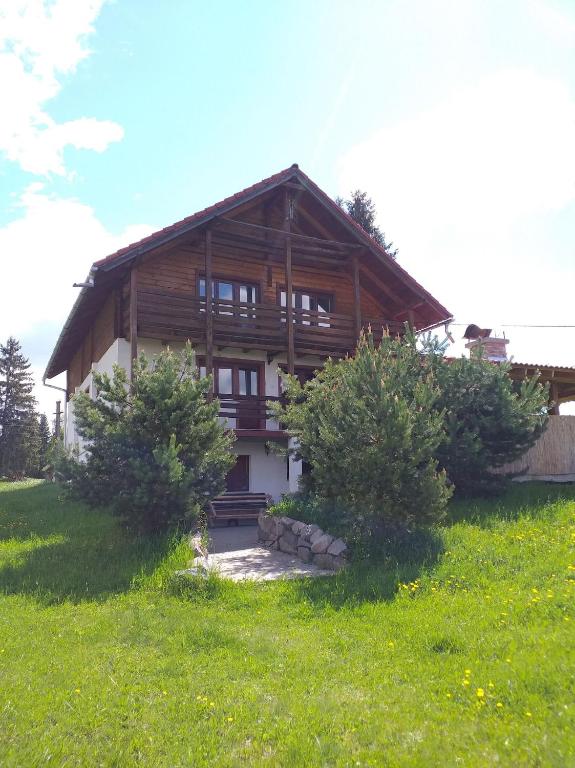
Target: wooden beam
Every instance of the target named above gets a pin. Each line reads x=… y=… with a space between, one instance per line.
x=554 y=397
x=373 y=278
x=229 y=250
x=357 y=298
x=289 y=287
x=315 y=223
x=269 y=258
x=411 y=319
x=209 y=316
x=267 y=249
x=133 y=318
x=282 y=234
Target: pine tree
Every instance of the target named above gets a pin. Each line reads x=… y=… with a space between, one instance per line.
x=18 y=423
x=157 y=452
x=490 y=420
x=369 y=429
x=361 y=208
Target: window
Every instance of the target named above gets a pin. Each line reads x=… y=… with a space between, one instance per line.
x=248 y=381
x=309 y=301
x=239 y=380
x=230 y=290
x=317 y=302
x=224 y=381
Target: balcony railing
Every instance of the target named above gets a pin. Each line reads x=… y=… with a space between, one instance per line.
x=246 y=411
x=178 y=315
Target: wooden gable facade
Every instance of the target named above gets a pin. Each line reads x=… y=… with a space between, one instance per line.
x=278 y=268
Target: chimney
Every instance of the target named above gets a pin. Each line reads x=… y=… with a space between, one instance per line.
x=493 y=347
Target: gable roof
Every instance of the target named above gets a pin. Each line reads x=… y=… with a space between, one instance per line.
x=87 y=299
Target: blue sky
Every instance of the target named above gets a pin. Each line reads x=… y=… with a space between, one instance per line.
x=458 y=118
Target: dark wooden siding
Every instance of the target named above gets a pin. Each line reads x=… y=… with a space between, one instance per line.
x=180 y=270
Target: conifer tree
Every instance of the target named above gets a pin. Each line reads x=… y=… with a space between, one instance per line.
x=369 y=428
x=156 y=451
x=361 y=208
x=18 y=423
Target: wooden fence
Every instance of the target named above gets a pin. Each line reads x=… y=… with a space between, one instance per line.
x=553 y=455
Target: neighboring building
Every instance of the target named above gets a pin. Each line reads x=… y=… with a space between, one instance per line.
x=276 y=276
x=561 y=379
x=552 y=458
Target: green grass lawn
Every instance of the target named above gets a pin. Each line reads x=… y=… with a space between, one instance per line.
x=459 y=652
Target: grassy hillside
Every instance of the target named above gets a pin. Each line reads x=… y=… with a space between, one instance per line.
x=458 y=652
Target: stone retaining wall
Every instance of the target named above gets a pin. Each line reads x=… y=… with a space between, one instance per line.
x=308 y=542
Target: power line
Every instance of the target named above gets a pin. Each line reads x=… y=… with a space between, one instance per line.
x=519 y=325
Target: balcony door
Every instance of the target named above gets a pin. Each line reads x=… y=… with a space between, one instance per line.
x=309 y=301
x=240 y=388
x=229 y=295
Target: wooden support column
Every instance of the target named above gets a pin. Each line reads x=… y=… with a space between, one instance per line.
x=133 y=318
x=411 y=319
x=357 y=298
x=209 y=316
x=289 y=308
x=554 y=397
x=289 y=287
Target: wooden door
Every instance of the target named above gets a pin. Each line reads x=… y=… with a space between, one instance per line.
x=238 y=478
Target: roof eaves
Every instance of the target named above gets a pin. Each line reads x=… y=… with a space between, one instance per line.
x=163 y=236
x=75 y=307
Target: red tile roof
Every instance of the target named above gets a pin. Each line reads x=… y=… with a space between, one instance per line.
x=59 y=358
x=205 y=213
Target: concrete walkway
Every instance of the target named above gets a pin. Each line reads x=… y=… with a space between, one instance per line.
x=236 y=554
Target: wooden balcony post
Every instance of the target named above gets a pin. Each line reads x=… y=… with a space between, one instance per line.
x=133 y=319
x=554 y=397
x=289 y=287
x=356 y=298
x=289 y=308
x=411 y=319
x=209 y=315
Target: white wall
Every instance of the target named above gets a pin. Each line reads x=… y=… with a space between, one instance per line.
x=268 y=473
x=118 y=352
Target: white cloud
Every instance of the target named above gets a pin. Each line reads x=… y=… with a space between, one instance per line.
x=40 y=43
x=556 y=24
x=51 y=245
x=495 y=152
x=457 y=187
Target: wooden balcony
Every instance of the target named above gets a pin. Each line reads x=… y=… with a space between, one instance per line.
x=178 y=316
x=246 y=412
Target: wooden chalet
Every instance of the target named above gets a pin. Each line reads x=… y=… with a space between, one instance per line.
x=275 y=276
